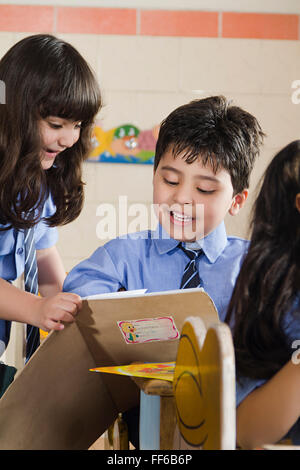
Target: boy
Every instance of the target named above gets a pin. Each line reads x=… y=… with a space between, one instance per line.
x=204 y=156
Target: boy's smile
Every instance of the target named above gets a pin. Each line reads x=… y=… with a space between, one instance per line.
x=191 y=200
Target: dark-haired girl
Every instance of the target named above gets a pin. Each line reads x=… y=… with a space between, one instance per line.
x=265 y=310
x=51 y=99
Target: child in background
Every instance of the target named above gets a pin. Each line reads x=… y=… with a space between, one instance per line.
x=265 y=310
x=51 y=99
x=204 y=156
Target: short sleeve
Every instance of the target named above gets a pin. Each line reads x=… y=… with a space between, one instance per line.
x=8 y=247
x=7 y=242
x=46 y=236
x=246 y=385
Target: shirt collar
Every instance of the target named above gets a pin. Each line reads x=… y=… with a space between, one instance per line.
x=162 y=240
x=212 y=245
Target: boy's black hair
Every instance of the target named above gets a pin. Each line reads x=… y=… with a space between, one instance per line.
x=214 y=131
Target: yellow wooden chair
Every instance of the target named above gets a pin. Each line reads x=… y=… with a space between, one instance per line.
x=204 y=387
x=201 y=399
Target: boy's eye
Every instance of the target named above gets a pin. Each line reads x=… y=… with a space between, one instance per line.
x=172 y=183
x=203 y=191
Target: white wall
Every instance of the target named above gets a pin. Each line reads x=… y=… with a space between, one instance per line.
x=144 y=78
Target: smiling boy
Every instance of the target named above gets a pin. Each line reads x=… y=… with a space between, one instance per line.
x=204 y=156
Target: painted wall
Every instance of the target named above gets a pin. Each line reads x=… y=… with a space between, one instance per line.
x=268 y=6
x=150 y=60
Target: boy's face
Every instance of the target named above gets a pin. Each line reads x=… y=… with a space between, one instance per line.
x=190 y=200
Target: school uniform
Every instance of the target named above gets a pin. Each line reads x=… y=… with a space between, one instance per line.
x=246 y=385
x=152 y=260
x=12 y=256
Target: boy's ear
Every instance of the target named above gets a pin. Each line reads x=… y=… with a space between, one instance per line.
x=297 y=202
x=238 y=202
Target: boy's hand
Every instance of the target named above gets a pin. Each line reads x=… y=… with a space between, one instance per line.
x=50 y=311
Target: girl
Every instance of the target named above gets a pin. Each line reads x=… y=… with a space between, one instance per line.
x=51 y=99
x=265 y=310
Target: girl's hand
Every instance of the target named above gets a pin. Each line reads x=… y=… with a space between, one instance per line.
x=50 y=311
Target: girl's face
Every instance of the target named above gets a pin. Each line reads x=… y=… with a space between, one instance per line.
x=57 y=135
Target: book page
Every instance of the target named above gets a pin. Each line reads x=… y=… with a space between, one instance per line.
x=113 y=295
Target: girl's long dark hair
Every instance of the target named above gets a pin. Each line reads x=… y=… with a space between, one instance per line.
x=268 y=282
x=43 y=76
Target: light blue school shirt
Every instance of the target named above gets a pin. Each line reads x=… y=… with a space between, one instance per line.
x=246 y=385
x=152 y=260
x=12 y=254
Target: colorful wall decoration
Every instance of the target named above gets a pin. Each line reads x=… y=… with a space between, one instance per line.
x=124 y=144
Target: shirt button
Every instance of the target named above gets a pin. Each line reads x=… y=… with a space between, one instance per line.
x=20 y=251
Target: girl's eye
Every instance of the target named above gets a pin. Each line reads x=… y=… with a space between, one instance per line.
x=54 y=126
x=205 y=192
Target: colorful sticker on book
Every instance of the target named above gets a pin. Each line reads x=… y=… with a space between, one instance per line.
x=148 y=330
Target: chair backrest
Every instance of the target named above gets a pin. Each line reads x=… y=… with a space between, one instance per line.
x=204 y=387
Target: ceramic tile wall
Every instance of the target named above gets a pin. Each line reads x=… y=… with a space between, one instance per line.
x=148 y=63
x=163 y=73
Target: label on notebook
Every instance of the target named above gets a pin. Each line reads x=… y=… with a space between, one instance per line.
x=148 y=330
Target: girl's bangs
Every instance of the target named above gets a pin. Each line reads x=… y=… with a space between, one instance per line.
x=77 y=102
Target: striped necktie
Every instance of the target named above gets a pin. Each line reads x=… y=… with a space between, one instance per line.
x=31 y=285
x=190 y=278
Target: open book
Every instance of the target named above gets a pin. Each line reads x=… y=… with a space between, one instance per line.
x=114 y=295
x=142 y=331
x=110 y=331
x=135 y=293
